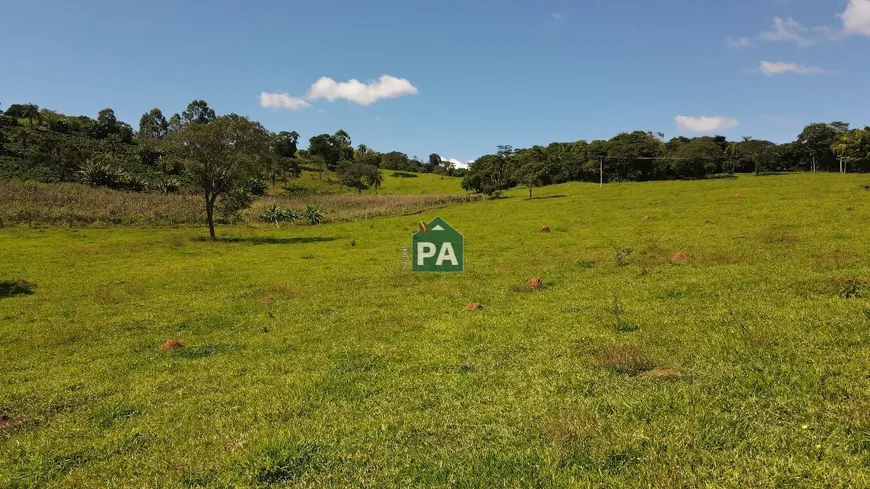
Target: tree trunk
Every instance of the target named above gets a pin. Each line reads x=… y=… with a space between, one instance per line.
x=209 y=214
x=530 y=192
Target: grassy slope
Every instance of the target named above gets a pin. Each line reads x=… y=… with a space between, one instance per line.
x=358 y=373
x=425 y=183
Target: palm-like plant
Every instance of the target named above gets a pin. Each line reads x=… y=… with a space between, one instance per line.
x=313 y=214
x=30 y=112
x=375 y=180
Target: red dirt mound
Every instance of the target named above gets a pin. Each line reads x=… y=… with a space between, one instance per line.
x=7 y=421
x=535 y=283
x=736 y=196
x=170 y=345
x=474 y=306
x=646 y=218
x=267 y=299
x=545 y=229
x=681 y=257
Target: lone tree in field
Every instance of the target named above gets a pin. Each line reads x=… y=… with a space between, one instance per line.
x=220 y=156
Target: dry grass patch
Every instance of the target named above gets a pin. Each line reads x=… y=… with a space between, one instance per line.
x=350 y=207
x=628 y=359
x=76 y=204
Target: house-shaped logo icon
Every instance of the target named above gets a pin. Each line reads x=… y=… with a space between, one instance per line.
x=437 y=247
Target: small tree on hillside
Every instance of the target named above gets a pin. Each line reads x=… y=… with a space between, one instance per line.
x=221 y=156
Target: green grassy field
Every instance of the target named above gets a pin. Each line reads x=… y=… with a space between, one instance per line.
x=312 y=362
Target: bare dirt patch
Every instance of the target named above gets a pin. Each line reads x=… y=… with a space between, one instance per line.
x=170 y=345
x=534 y=283
x=681 y=257
x=545 y=229
x=474 y=306
x=7 y=421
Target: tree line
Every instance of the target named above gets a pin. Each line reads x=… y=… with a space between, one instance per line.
x=643 y=156
x=227 y=159
x=44 y=145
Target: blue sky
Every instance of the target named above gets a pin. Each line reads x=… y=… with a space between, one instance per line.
x=462 y=76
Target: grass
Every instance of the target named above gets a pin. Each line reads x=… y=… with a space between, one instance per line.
x=308 y=362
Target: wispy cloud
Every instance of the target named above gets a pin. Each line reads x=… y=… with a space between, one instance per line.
x=772 y=68
x=361 y=93
x=272 y=100
x=790 y=30
x=739 y=43
x=855 y=20
x=705 y=124
x=557 y=16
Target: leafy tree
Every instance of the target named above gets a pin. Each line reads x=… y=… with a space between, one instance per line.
x=353 y=175
x=198 y=112
x=396 y=160
x=221 y=156
x=326 y=147
x=816 y=140
x=174 y=124
x=341 y=141
x=285 y=144
x=631 y=153
x=434 y=160
x=152 y=124
x=531 y=172
x=695 y=158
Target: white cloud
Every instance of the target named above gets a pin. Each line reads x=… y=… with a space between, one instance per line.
x=739 y=43
x=856 y=17
x=362 y=93
x=272 y=100
x=557 y=16
x=781 y=68
x=457 y=163
x=704 y=124
x=791 y=30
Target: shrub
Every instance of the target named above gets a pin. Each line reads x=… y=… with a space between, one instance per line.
x=168 y=185
x=7 y=121
x=98 y=173
x=313 y=214
x=257 y=188
x=278 y=215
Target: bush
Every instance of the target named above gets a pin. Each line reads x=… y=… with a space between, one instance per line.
x=277 y=215
x=313 y=214
x=7 y=121
x=97 y=173
x=168 y=185
x=257 y=188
